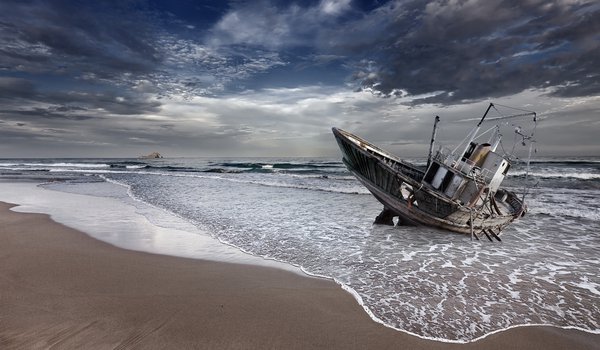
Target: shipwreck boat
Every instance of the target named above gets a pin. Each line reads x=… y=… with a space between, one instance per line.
x=456 y=191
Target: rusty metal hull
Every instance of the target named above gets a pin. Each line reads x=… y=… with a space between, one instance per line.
x=398 y=186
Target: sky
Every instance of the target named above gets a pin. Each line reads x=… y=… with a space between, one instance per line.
x=204 y=78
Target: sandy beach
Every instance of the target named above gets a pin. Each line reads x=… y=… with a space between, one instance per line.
x=61 y=289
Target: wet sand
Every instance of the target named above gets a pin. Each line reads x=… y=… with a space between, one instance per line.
x=61 y=289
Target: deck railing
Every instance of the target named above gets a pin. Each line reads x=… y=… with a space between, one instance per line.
x=465 y=166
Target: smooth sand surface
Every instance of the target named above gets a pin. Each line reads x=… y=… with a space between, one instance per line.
x=61 y=289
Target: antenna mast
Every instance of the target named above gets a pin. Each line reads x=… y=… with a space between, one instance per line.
x=476 y=130
x=437 y=119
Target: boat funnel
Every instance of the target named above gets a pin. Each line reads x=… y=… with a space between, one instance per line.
x=480 y=153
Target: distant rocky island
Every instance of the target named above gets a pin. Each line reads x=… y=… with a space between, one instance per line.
x=153 y=155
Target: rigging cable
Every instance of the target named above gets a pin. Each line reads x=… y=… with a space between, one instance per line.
x=531 y=142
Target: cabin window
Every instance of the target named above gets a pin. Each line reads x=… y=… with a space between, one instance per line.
x=506 y=169
x=446 y=181
x=431 y=173
x=469 y=151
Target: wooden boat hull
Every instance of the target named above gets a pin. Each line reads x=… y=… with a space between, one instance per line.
x=398 y=186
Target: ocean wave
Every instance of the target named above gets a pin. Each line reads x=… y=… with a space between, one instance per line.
x=566 y=161
x=282 y=165
x=328 y=186
x=57 y=165
x=590 y=214
x=26 y=169
x=565 y=203
x=556 y=175
x=222 y=171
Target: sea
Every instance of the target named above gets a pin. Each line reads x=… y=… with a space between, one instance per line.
x=314 y=215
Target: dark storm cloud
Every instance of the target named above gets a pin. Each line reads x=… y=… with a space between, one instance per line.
x=76 y=60
x=453 y=50
x=469 y=50
x=45 y=113
x=106 y=38
x=122 y=44
x=21 y=97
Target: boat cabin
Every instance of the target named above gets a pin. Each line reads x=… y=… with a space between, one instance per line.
x=470 y=178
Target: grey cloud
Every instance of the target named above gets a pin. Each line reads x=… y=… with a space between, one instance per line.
x=257 y=24
x=109 y=101
x=53 y=35
x=16 y=88
x=70 y=104
x=120 y=44
x=45 y=113
x=276 y=24
x=210 y=70
x=123 y=45
x=459 y=51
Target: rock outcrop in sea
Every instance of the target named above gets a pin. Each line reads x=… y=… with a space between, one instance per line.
x=153 y=155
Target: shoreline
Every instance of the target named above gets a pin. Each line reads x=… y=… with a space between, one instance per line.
x=104 y=217
x=63 y=287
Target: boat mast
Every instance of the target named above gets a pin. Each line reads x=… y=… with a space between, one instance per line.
x=476 y=130
x=437 y=119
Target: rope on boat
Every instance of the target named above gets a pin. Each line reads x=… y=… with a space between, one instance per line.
x=525 y=138
x=515 y=108
x=525 y=189
x=485 y=132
